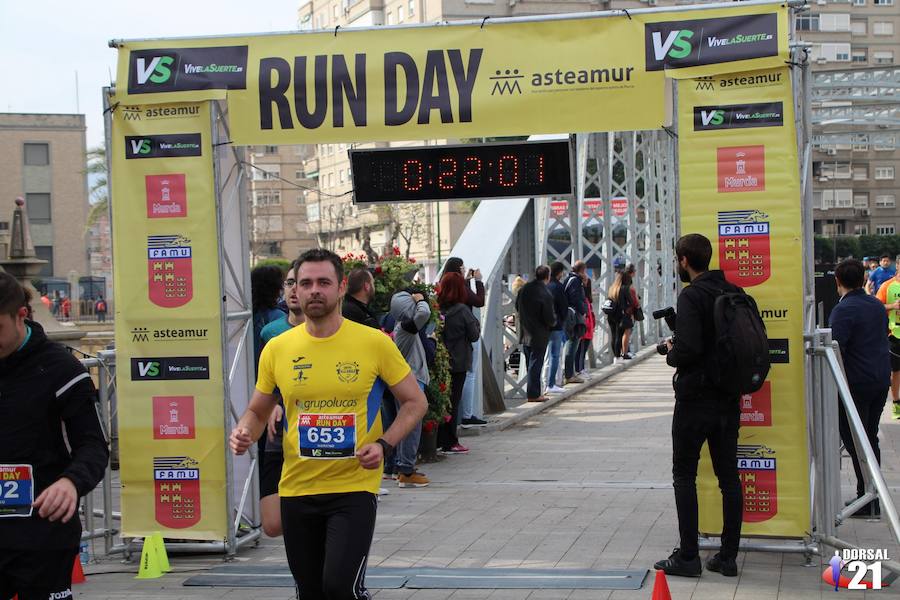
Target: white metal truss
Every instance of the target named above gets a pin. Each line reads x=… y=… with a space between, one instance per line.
x=877 y=84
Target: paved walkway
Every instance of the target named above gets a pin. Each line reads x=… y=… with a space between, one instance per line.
x=584 y=484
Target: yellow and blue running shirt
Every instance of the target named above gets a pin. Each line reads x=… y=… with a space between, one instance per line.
x=332 y=389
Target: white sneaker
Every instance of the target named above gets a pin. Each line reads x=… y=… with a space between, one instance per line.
x=383 y=492
x=555 y=389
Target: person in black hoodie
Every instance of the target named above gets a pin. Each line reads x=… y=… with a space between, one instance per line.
x=460 y=330
x=536 y=317
x=703 y=413
x=42 y=388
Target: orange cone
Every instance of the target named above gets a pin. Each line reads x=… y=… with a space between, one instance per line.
x=77 y=571
x=661 y=587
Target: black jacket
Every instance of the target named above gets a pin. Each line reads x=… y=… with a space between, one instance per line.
x=42 y=388
x=536 y=314
x=560 y=303
x=694 y=349
x=460 y=330
x=575 y=293
x=858 y=323
x=356 y=311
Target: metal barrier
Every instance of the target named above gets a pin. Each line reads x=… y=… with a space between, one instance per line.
x=102 y=368
x=828 y=382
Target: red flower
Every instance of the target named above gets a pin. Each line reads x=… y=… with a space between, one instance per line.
x=429 y=426
x=378 y=270
x=412 y=260
x=447 y=418
x=442 y=387
x=396 y=250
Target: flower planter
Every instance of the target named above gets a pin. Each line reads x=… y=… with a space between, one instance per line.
x=428 y=443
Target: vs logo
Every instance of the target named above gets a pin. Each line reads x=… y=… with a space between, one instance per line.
x=157 y=70
x=712 y=117
x=141 y=146
x=148 y=368
x=676 y=45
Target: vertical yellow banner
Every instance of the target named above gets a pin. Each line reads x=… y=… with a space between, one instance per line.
x=740 y=187
x=168 y=322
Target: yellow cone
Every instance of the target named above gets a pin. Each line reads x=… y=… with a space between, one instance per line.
x=150 y=567
x=160 y=547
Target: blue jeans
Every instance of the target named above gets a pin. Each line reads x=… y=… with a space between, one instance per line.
x=404 y=458
x=556 y=341
x=468 y=406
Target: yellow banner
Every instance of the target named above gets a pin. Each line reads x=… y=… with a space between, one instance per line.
x=740 y=187
x=502 y=78
x=168 y=328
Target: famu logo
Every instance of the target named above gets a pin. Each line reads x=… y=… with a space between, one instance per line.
x=738 y=116
x=163 y=146
x=184 y=69
x=679 y=44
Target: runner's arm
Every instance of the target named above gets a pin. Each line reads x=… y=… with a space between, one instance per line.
x=412 y=408
x=253 y=422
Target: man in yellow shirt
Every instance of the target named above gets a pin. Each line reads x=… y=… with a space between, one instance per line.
x=332 y=373
x=889 y=294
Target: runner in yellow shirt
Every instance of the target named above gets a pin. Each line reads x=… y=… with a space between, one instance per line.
x=331 y=373
x=889 y=294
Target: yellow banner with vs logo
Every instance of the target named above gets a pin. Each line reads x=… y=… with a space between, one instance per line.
x=740 y=187
x=168 y=327
x=603 y=73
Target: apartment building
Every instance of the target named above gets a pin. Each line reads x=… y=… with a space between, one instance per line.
x=44 y=162
x=278 y=189
x=855 y=175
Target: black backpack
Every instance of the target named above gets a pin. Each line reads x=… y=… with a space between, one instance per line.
x=741 y=362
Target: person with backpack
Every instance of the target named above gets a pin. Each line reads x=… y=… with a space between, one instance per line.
x=100 y=308
x=411 y=313
x=707 y=405
x=621 y=303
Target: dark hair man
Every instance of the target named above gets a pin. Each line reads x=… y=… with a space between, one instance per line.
x=857 y=324
x=536 y=317
x=331 y=373
x=273 y=459
x=42 y=388
x=557 y=332
x=883 y=273
x=574 y=288
x=889 y=295
x=360 y=291
x=702 y=414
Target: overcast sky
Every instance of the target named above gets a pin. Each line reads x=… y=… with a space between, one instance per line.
x=44 y=42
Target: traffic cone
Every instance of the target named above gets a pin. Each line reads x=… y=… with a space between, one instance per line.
x=661 y=587
x=77 y=571
x=160 y=546
x=150 y=566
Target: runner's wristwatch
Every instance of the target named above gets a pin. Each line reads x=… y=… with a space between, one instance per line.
x=385 y=447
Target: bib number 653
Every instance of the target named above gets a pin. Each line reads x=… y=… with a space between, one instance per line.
x=325 y=435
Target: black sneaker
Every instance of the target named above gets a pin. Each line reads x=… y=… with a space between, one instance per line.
x=675 y=565
x=472 y=422
x=725 y=566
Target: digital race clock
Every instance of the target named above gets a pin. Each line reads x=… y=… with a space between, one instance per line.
x=461 y=172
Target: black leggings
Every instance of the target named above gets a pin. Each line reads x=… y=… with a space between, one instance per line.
x=447 y=431
x=327 y=539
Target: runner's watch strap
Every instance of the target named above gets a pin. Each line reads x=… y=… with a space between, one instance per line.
x=387 y=448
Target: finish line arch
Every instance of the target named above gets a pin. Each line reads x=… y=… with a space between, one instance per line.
x=180 y=102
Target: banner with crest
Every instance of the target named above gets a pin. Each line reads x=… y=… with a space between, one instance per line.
x=168 y=323
x=740 y=187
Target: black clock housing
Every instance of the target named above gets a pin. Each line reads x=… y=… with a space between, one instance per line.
x=462 y=172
